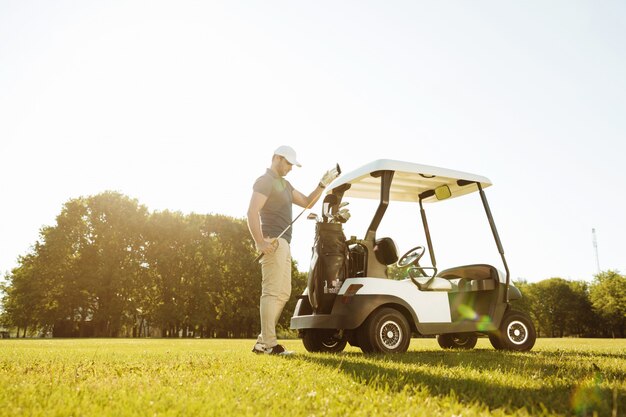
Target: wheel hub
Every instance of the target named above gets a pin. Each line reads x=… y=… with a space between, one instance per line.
x=391 y=334
x=517 y=332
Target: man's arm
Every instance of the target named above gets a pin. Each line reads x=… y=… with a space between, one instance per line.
x=263 y=245
x=307 y=201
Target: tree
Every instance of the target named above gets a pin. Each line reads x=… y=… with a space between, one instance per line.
x=166 y=262
x=608 y=297
x=582 y=320
x=82 y=270
x=21 y=295
x=558 y=307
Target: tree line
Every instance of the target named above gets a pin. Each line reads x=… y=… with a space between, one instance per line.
x=109 y=267
x=560 y=307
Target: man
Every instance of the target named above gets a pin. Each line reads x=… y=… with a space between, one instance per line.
x=269 y=214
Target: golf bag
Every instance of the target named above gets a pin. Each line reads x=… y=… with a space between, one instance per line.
x=329 y=264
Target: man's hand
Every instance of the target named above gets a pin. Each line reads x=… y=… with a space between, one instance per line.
x=328 y=177
x=267 y=246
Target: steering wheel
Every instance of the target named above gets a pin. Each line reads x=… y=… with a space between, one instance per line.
x=412 y=257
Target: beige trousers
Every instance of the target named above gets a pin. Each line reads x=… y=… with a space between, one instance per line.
x=275 y=290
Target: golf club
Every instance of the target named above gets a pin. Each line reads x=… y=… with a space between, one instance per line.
x=329 y=201
x=313 y=216
x=258 y=258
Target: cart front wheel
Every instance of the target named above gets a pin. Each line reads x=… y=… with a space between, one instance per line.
x=516 y=332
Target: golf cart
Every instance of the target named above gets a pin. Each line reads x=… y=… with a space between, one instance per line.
x=350 y=298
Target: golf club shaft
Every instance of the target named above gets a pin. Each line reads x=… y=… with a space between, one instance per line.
x=258 y=258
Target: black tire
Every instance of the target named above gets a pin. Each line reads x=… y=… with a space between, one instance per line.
x=457 y=340
x=385 y=331
x=494 y=338
x=363 y=339
x=322 y=340
x=353 y=339
x=517 y=332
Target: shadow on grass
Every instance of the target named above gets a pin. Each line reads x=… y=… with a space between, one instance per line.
x=561 y=383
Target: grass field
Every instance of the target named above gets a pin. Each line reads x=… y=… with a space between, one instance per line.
x=158 y=377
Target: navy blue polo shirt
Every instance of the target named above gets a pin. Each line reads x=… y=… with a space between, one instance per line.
x=276 y=214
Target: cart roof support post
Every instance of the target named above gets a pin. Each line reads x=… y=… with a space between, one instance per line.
x=483 y=197
x=385 y=186
x=431 y=252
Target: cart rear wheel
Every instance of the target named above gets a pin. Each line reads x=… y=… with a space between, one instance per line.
x=494 y=338
x=385 y=331
x=363 y=339
x=457 y=340
x=322 y=340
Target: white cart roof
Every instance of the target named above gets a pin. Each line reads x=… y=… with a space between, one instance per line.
x=409 y=181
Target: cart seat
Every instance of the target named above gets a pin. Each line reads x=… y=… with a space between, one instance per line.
x=386 y=251
x=480 y=277
x=473 y=272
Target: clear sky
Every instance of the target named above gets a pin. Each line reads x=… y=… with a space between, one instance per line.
x=180 y=105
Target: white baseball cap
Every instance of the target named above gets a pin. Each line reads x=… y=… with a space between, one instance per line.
x=288 y=153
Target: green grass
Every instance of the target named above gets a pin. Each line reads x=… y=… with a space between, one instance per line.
x=128 y=377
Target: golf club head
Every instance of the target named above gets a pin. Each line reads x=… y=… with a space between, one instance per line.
x=341 y=216
x=329 y=201
x=313 y=216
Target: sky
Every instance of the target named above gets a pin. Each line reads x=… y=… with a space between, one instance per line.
x=181 y=104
